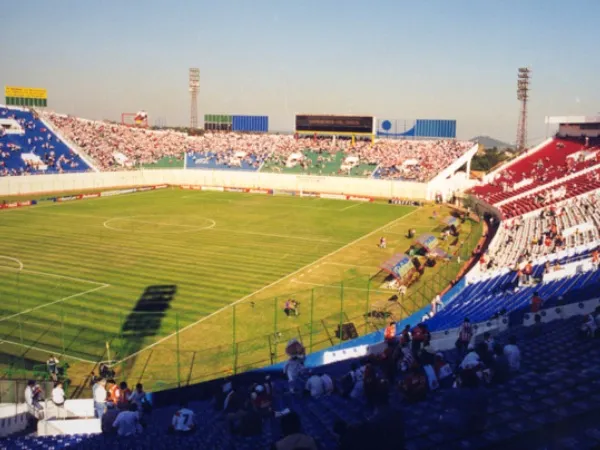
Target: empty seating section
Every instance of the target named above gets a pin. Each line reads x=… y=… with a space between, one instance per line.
x=526 y=235
x=31 y=148
x=547 y=164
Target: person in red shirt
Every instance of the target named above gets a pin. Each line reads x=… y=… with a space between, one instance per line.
x=390 y=332
x=528 y=271
x=595 y=257
x=536 y=303
x=414 y=385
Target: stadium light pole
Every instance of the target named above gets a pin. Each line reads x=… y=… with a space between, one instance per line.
x=194 y=86
x=523 y=80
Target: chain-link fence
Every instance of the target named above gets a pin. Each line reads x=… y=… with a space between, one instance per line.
x=166 y=348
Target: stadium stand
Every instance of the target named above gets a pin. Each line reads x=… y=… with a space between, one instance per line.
x=115 y=146
x=553 y=161
x=28 y=146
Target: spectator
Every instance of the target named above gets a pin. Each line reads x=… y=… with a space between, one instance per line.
x=466 y=407
x=99 y=395
x=113 y=392
x=405 y=337
x=127 y=422
x=414 y=385
x=443 y=371
x=138 y=398
x=261 y=400
x=390 y=332
x=52 y=365
x=33 y=405
x=183 y=421
x=536 y=303
x=314 y=386
x=58 y=396
x=124 y=393
x=328 y=386
x=588 y=327
x=465 y=333
x=293 y=438
x=293 y=368
x=501 y=368
x=513 y=354
x=108 y=420
x=489 y=341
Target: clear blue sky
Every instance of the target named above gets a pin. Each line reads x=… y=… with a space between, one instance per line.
x=390 y=58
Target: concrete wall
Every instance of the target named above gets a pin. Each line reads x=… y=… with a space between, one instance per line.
x=80 y=181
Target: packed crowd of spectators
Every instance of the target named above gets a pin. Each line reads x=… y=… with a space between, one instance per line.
x=114 y=146
x=36 y=141
x=398 y=159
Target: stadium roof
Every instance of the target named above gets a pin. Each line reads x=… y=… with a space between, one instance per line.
x=572 y=119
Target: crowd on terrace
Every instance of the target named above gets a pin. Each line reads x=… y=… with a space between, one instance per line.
x=114 y=146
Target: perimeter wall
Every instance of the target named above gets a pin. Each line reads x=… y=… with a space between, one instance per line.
x=255 y=180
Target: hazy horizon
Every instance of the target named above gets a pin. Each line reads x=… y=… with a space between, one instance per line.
x=391 y=59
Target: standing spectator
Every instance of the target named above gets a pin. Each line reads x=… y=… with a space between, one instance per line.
x=34 y=407
x=293 y=368
x=389 y=334
x=536 y=303
x=500 y=368
x=124 y=393
x=127 y=422
x=52 y=365
x=99 y=395
x=58 y=397
x=183 y=421
x=114 y=393
x=513 y=354
x=293 y=438
x=405 y=335
x=138 y=398
x=465 y=333
x=436 y=305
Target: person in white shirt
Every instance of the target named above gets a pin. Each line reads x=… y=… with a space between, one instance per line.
x=513 y=354
x=489 y=341
x=138 y=397
x=292 y=368
x=314 y=385
x=58 y=394
x=183 y=420
x=99 y=394
x=327 y=384
x=127 y=422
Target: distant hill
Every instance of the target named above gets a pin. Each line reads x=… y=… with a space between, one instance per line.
x=489 y=142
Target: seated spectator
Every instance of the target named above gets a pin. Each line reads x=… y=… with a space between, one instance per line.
x=443 y=371
x=261 y=400
x=414 y=385
x=466 y=407
x=183 y=421
x=138 y=398
x=588 y=327
x=127 y=422
x=314 y=386
x=500 y=368
x=293 y=438
x=513 y=354
x=328 y=386
x=108 y=419
x=489 y=341
x=58 y=396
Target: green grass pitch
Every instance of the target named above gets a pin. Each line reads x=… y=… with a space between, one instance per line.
x=129 y=271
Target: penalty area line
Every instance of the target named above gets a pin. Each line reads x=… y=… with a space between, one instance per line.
x=60 y=300
x=50 y=352
x=290 y=275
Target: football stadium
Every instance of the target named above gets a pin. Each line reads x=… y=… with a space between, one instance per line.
x=350 y=282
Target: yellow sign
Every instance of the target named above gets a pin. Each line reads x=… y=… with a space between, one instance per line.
x=25 y=92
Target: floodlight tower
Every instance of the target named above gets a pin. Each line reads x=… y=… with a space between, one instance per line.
x=194 y=85
x=523 y=79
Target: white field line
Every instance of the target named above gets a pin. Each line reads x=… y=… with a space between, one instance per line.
x=318 y=261
x=283 y=236
x=351 y=206
x=18 y=261
x=350 y=265
x=391 y=291
x=60 y=300
x=74 y=202
x=50 y=352
x=47 y=274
